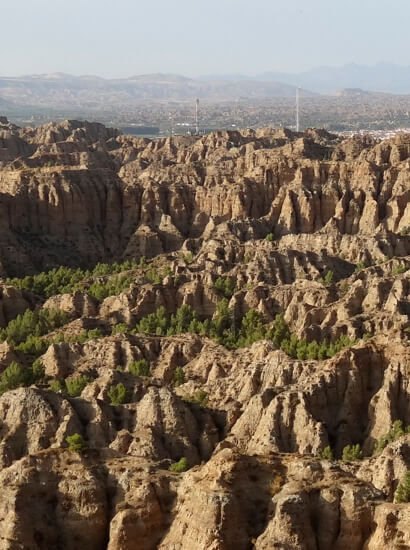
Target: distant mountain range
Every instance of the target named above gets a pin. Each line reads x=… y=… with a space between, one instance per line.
x=64 y=91
x=61 y=90
x=383 y=77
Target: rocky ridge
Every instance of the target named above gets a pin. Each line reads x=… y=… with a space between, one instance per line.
x=303 y=225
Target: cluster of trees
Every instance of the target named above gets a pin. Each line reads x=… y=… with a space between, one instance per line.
x=236 y=333
x=16 y=375
x=73 y=386
x=32 y=323
x=225 y=286
x=139 y=368
x=354 y=452
x=25 y=331
x=349 y=453
x=80 y=338
x=111 y=287
x=67 y=280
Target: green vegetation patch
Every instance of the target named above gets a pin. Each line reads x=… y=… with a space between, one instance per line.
x=76 y=443
x=118 y=394
x=180 y=466
x=139 y=368
x=32 y=324
x=64 y=280
x=351 y=453
x=397 y=430
x=402 y=494
x=225 y=286
x=327 y=453
x=15 y=376
x=235 y=333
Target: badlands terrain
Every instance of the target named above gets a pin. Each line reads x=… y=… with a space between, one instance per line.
x=223 y=362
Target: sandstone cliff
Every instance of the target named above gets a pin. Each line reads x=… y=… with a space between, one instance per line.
x=306 y=228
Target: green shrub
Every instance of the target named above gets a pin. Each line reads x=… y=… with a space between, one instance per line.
x=220 y=327
x=328 y=279
x=80 y=338
x=120 y=328
x=200 y=397
x=402 y=494
x=155 y=323
x=269 y=237
x=399 y=269
x=352 y=452
x=139 y=368
x=16 y=375
x=57 y=386
x=327 y=453
x=76 y=443
x=153 y=276
x=188 y=258
x=180 y=466
x=179 y=376
x=360 y=265
x=396 y=430
x=118 y=394
x=13 y=377
x=38 y=371
x=76 y=385
x=344 y=287
x=34 y=345
x=225 y=286
x=252 y=329
x=94 y=334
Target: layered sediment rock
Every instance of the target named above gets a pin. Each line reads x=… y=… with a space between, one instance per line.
x=306 y=225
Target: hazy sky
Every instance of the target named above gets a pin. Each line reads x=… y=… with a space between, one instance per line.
x=119 y=38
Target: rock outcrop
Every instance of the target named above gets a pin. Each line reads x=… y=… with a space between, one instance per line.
x=307 y=226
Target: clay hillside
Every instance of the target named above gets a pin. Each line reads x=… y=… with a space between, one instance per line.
x=204 y=340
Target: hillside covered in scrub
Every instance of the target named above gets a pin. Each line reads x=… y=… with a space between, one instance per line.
x=204 y=341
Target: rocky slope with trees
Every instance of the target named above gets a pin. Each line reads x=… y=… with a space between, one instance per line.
x=204 y=340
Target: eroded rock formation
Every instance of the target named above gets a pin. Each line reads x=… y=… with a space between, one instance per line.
x=306 y=225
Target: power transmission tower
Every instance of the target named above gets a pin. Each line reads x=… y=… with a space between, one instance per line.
x=197 y=117
x=297 y=109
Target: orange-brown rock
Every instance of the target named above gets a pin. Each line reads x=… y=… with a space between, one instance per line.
x=307 y=225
